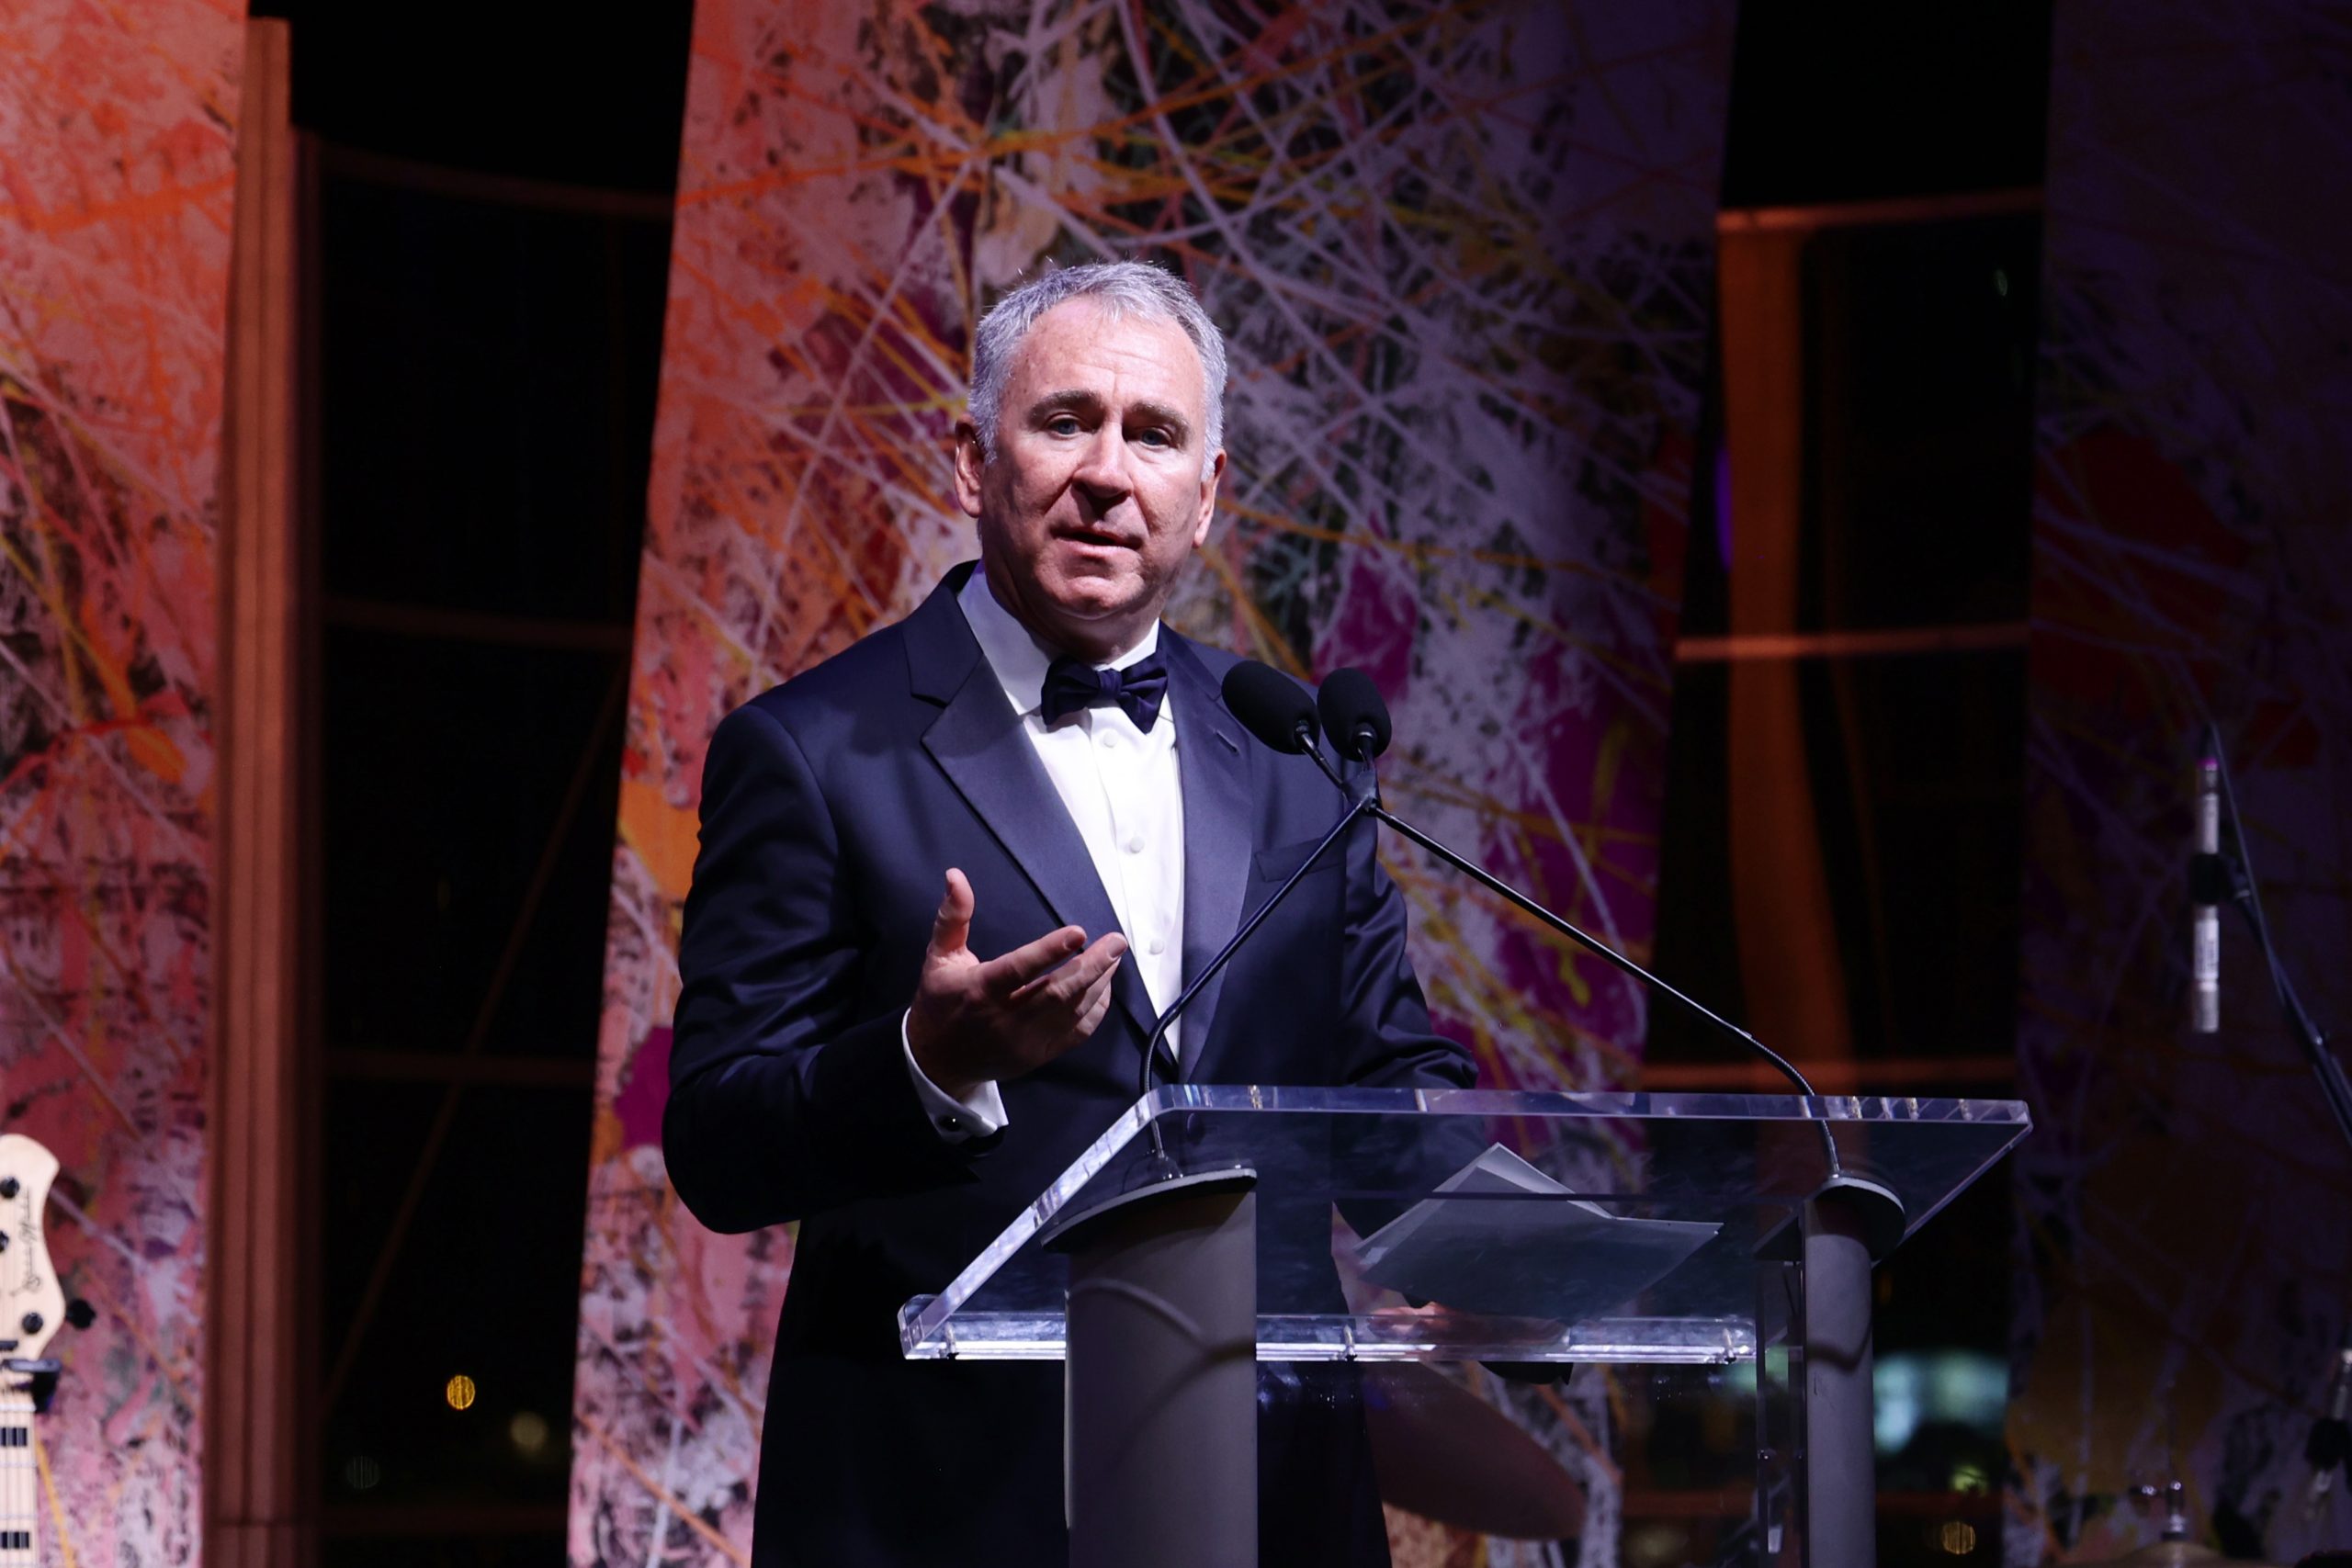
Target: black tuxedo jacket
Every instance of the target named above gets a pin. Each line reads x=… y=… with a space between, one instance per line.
x=832 y=806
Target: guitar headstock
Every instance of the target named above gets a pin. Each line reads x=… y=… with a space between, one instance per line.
x=32 y=1303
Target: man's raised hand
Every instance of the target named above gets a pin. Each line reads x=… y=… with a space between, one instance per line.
x=975 y=1021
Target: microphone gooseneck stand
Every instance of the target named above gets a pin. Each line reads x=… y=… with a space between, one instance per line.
x=1592 y=944
x=1162 y=1163
x=1357 y=721
x=2219 y=879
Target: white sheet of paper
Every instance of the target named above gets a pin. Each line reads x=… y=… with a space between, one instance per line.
x=1501 y=1237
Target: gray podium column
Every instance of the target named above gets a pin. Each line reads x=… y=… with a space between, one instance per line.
x=1162 y=1376
x=1847 y=1227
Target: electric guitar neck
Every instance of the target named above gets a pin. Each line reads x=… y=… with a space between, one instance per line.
x=32 y=1304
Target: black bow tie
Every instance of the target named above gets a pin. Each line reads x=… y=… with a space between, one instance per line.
x=1072 y=684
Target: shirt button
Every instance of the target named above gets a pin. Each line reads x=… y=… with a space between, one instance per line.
x=1135 y=845
x=1107 y=736
x=1159 y=946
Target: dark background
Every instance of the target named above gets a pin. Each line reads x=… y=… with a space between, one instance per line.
x=490 y=244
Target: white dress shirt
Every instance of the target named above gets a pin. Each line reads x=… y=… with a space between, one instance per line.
x=1122 y=789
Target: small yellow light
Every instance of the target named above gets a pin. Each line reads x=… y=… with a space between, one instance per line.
x=528 y=1432
x=1958 y=1538
x=460 y=1392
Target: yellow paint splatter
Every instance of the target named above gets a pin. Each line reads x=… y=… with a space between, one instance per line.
x=663 y=836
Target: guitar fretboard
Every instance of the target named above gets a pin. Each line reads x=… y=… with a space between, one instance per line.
x=19 y=1481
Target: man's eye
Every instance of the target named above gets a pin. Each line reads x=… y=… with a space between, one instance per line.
x=1062 y=424
x=1154 y=438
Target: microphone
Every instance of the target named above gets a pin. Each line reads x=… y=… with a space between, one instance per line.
x=1270 y=707
x=1353 y=716
x=2208 y=888
x=2231 y=880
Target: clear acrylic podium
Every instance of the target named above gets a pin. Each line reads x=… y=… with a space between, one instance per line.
x=1197 y=1235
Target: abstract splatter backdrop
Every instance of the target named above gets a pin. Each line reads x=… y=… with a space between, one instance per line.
x=116 y=129
x=1464 y=258
x=2186 y=1204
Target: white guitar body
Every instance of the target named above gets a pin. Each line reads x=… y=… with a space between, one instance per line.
x=32 y=1304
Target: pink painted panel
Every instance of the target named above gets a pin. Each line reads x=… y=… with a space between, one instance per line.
x=116 y=174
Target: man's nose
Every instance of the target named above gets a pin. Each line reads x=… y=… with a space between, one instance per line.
x=1102 y=470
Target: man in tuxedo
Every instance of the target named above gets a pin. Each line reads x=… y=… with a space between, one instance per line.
x=947 y=878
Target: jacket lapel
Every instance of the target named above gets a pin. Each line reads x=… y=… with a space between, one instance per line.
x=1212 y=760
x=978 y=742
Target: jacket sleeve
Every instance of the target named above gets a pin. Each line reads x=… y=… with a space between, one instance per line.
x=785 y=1097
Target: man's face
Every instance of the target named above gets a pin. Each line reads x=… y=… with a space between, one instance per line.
x=1097 y=491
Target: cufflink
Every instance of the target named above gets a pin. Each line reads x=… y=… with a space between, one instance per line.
x=950 y=1124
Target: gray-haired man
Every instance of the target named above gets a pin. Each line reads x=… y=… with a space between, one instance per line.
x=947 y=878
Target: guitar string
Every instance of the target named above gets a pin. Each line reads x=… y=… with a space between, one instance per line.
x=45 y=1483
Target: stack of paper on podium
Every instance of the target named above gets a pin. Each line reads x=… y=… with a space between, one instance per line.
x=1501 y=1237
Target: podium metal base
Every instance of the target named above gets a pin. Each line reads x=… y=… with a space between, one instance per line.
x=1160 y=1379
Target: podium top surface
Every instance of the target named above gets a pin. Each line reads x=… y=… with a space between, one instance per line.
x=1445 y=1224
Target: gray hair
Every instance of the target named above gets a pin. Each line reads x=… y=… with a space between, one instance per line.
x=1120 y=286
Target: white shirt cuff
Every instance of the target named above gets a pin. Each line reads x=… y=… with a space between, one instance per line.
x=954 y=1120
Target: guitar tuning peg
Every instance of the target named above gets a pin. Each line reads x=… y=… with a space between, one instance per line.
x=80 y=1313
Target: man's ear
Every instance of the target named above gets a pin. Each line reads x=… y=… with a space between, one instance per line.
x=969 y=461
x=1208 y=499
